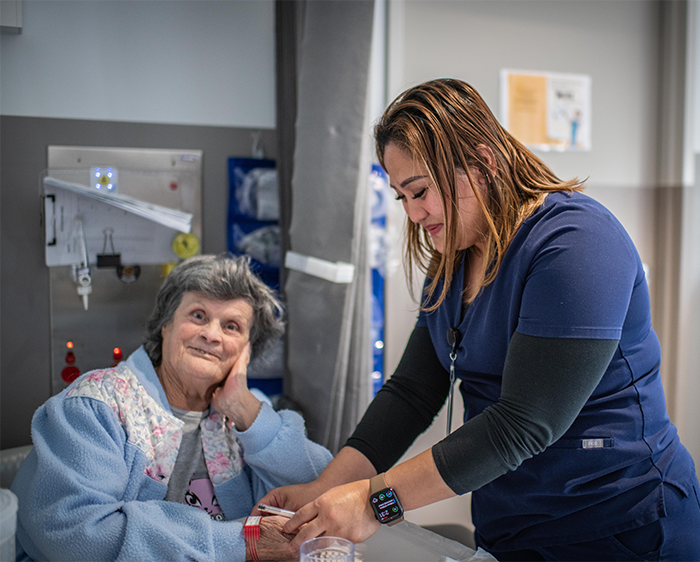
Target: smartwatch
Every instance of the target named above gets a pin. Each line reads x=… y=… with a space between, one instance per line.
x=384 y=501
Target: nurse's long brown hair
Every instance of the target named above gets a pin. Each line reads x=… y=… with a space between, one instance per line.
x=441 y=123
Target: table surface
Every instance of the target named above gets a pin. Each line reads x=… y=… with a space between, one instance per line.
x=407 y=542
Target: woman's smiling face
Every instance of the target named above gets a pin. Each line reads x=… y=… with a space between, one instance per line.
x=414 y=188
x=204 y=339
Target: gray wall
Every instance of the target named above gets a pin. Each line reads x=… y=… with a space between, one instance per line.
x=184 y=62
x=616 y=43
x=689 y=330
x=24 y=289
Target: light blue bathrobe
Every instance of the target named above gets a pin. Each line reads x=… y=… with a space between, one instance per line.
x=104 y=450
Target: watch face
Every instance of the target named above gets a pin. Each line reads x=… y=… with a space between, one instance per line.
x=386 y=505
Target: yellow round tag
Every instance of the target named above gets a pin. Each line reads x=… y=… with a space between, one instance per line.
x=186 y=245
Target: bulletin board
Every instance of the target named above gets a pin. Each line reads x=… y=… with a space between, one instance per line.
x=547 y=110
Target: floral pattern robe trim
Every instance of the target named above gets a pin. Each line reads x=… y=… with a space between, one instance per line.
x=157 y=432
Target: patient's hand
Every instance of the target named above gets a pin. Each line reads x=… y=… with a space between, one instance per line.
x=233 y=399
x=273 y=543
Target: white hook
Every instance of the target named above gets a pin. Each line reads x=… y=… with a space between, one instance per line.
x=257 y=150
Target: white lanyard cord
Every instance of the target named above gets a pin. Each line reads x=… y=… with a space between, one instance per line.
x=450 y=396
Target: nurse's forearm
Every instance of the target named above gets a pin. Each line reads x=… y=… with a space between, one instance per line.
x=417 y=482
x=348 y=465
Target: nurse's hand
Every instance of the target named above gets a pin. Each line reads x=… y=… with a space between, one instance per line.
x=343 y=511
x=292 y=497
x=273 y=543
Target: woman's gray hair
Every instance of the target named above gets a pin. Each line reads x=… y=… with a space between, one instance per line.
x=223 y=277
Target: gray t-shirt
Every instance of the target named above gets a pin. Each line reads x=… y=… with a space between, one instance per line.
x=189 y=482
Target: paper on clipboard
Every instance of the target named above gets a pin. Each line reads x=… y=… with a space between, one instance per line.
x=172 y=218
x=141 y=232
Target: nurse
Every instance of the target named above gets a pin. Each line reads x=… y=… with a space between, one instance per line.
x=535 y=299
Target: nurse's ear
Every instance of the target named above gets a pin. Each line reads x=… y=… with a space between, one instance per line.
x=487 y=154
x=477 y=174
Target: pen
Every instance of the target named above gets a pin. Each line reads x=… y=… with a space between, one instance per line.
x=275 y=510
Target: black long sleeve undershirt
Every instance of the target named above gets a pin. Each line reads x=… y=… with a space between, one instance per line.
x=546 y=382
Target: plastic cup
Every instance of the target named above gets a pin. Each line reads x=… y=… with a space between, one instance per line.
x=8 y=525
x=321 y=549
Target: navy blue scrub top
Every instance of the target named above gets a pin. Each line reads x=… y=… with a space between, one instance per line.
x=571 y=272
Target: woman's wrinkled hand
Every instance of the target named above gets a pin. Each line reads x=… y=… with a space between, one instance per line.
x=343 y=511
x=233 y=399
x=273 y=543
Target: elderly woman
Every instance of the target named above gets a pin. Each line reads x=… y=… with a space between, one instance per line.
x=157 y=458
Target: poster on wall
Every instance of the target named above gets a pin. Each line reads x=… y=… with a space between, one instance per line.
x=547 y=110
